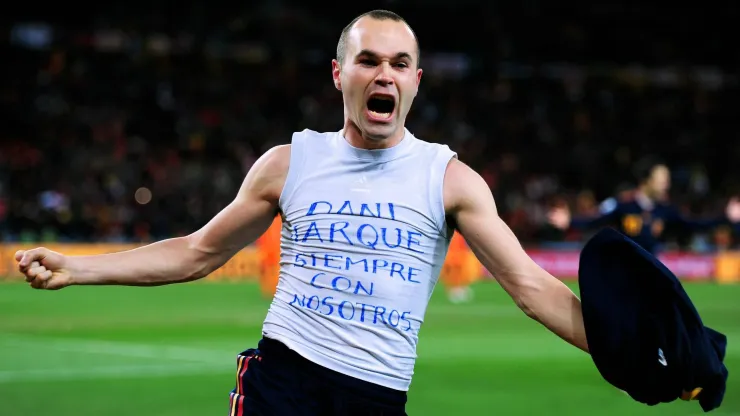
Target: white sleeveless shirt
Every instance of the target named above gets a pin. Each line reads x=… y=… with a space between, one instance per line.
x=363 y=241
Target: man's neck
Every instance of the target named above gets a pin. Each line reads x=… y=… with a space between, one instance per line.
x=355 y=138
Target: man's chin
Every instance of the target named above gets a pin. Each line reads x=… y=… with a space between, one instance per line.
x=378 y=131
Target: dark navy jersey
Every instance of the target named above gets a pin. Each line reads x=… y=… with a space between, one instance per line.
x=644 y=225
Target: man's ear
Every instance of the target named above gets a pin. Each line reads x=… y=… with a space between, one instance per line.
x=336 y=71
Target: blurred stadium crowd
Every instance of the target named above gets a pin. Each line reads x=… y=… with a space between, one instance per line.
x=134 y=125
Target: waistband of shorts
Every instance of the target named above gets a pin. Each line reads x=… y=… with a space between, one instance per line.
x=270 y=347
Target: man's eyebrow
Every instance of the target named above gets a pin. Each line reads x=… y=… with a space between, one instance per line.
x=371 y=54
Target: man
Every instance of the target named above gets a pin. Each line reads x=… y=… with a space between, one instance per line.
x=368 y=213
x=460 y=270
x=268 y=246
x=644 y=213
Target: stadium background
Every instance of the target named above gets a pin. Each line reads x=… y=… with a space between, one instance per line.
x=126 y=123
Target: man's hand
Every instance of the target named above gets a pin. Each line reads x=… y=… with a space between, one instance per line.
x=559 y=217
x=43 y=268
x=733 y=210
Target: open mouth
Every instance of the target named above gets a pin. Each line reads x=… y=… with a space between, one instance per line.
x=381 y=107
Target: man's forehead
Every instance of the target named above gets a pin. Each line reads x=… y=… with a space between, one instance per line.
x=384 y=37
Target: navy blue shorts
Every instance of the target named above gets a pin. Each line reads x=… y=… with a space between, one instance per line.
x=273 y=380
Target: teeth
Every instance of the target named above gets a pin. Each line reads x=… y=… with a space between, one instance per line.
x=379 y=115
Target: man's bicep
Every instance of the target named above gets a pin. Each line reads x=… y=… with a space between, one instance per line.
x=493 y=243
x=237 y=225
x=471 y=205
x=251 y=212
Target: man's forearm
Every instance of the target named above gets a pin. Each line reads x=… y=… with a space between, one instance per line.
x=556 y=307
x=161 y=263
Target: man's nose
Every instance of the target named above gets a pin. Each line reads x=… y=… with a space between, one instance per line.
x=384 y=77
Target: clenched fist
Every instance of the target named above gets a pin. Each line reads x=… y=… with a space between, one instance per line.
x=43 y=268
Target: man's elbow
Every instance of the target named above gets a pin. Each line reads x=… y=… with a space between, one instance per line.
x=528 y=292
x=200 y=262
x=527 y=304
x=545 y=296
x=197 y=271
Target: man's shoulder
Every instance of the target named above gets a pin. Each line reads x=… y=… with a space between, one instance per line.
x=279 y=155
x=609 y=206
x=462 y=184
x=275 y=161
x=274 y=164
x=308 y=134
x=430 y=145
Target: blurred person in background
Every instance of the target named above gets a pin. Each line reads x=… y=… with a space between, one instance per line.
x=644 y=212
x=268 y=246
x=460 y=270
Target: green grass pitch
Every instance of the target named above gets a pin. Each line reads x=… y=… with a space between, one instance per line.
x=171 y=351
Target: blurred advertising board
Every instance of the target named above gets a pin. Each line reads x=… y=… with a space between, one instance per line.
x=245 y=265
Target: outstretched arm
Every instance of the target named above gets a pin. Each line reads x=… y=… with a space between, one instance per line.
x=179 y=259
x=608 y=213
x=470 y=205
x=731 y=217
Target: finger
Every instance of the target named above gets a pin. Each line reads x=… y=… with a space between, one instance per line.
x=44 y=276
x=41 y=277
x=37 y=254
x=24 y=268
x=19 y=255
x=27 y=258
x=38 y=283
x=35 y=271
